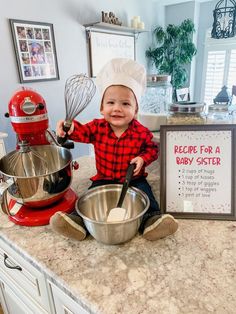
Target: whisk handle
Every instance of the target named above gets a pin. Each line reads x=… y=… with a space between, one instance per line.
x=68 y=144
x=66 y=128
x=65 y=143
x=62 y=140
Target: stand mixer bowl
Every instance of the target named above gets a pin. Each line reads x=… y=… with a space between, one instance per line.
x=41 y=175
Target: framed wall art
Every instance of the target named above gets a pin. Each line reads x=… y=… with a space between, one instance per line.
x=198 y=171
x=35 y=50
x=104 y=46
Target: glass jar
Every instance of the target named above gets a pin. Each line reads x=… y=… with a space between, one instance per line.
x=158 y=94
x=186 y=113
x=218 y=114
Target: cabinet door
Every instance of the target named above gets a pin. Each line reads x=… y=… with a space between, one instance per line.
x=13 y=302
x=2 y=148
x=15 y=270
x=63 y=303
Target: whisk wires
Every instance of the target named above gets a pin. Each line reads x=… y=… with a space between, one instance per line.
x=79 y=90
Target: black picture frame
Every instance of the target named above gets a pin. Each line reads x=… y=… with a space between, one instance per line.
x=35 y=50
x=203 y=186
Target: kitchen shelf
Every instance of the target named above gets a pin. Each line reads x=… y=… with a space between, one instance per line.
x=113 y=27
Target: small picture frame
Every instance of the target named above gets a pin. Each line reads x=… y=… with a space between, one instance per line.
x=35 y=50
x=182 y=94
x=198 y=171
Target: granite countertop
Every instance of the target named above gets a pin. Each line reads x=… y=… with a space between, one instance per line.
x=193 y=271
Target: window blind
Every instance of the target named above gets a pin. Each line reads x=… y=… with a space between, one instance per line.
x=220 y=67
x=232 y=70
x=214 y=75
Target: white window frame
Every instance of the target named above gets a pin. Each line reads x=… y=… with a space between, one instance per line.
x=212 y=44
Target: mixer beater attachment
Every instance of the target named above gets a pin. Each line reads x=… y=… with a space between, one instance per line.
x=79 y=91
x=27 y=162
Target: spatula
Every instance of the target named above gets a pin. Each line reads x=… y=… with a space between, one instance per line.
x=118 y=213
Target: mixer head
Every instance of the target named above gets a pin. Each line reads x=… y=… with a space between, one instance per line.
x=29 y=118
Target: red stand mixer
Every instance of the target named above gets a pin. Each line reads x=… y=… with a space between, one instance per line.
x=40 y=171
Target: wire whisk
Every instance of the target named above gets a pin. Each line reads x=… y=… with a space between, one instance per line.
x=79 y=91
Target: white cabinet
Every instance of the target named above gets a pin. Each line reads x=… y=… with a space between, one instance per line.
x=2 y=145
x=63 y=303
x=24 y=289
x=22 y=285
x=2 y=150
x=15 y=302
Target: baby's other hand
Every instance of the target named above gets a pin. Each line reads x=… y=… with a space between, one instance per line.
x=139 y=163
x=59 y=129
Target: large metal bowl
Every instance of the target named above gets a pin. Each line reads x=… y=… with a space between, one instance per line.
x=41 y=176
x=95 y=204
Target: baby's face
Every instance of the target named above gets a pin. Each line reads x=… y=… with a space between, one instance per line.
x=119 y=106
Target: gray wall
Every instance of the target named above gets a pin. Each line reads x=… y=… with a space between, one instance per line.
x=67 y=17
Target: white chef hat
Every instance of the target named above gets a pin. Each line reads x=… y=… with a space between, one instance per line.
x=123 y=71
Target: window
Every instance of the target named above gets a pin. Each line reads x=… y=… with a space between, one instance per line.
x=232 y=69
x=220 y=67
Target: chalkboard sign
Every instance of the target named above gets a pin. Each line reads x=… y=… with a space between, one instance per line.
x=198 y=171
x=105 y=46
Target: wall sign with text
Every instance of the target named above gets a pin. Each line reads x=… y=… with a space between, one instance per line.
x=106 y=46
x=198 y=171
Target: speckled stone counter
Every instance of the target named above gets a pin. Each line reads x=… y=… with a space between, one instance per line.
x=193 y=271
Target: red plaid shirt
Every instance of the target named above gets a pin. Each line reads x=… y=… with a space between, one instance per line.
x=114 y=154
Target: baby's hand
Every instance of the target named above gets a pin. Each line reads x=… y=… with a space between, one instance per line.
x=139 y=163
x=59 y=129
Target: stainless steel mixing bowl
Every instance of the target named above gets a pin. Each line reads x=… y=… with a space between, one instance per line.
x=94 y=207
x=41 y=176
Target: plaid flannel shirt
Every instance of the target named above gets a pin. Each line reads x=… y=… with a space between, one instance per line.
x=114 y=154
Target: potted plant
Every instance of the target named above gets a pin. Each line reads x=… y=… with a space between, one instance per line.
x=175 y=50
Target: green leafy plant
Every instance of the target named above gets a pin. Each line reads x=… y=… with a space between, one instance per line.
x=175 y=50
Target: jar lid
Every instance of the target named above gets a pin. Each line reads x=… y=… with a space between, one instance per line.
x=158 y=78
x=223 y=97
x=187 y=107
x=218 y=108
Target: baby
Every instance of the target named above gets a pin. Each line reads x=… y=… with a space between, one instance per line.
x=119 y=140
